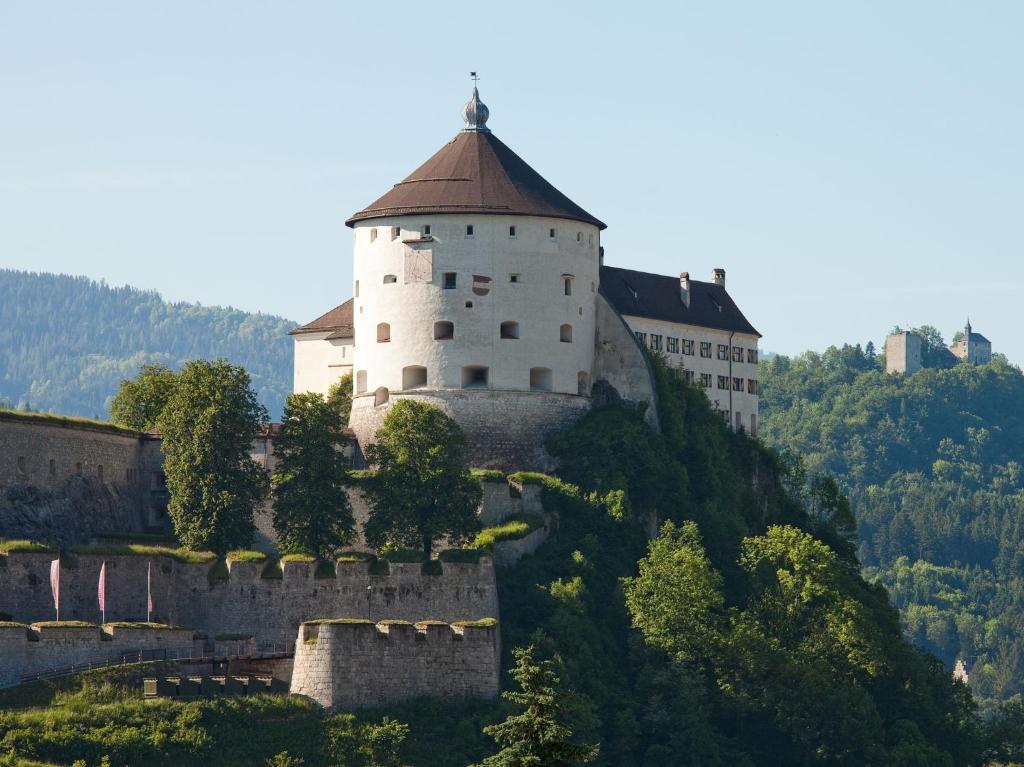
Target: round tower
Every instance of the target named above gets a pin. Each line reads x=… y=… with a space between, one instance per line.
x=475 y=287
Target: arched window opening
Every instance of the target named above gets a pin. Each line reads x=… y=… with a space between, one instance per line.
x=509 y=329
x=444 y=330
x=373 y=234
x=361 y=382
x=381 y=395
x=474 y=377
x=583 y=383
x=383 y=333
x=390 y=279
x=414 y=377
x=567 y=284
x=540 y=379
x=565 y=334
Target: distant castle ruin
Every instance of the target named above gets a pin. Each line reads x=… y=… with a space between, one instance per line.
x=904 y=350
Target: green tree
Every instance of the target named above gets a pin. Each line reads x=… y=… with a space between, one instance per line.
x=383 y=743
x=311 y=509
x=537 y=736
x=339 y=397
x=421 y=488
x=284 y=759
x=140 y=400
x=208 y=426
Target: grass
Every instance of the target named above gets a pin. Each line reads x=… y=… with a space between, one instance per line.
x=65 y=625
x=482 y=623
x=140 y=625
x=514 y=527
x=488 y=475
x=356 y=556
x=12 y=624
x=143 y=550
x=424 y=624
x=246 y=555
x=529 y=477
x=306 y=559
x=25 y=547
x=99 y=685
x=472 y=556
x=65 y=421
x=391 y=622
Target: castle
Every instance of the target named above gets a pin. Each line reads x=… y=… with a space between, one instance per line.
x=478 y=287
x=903 y=350
x=481 y=288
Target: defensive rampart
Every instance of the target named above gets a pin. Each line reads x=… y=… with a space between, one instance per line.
x=31 y=650
x=246 y=602
x=344 y=665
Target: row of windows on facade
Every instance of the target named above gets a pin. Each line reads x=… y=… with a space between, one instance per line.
x=738 y=422
x=445 y=331
x=706 y=380
x=513 y=232
x=130 y=475
x=673 y=346
x=450 y=281
x=474 y=377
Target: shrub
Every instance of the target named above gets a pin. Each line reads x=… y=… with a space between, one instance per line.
x=380 y=567
x=296 y=556
x=512 y=528
x=471 y=556
x=65 y=624
x=404 y=555
x=488 y=475
x=432 y=567
x=529 y=478
x=356 y=556
x=482 y=623
x=244 y=555
x=324 y=569
x=141 y=550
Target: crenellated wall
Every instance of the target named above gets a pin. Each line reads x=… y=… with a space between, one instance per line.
x=348 y=665
x=26 y=650
x=270 y=609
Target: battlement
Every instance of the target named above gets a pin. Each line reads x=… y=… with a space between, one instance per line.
x=243 y=600
x=31 y=649
x=347 y=663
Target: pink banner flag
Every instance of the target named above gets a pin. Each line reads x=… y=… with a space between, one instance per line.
x=102 y=592
x=55 y=585
x=149 y=592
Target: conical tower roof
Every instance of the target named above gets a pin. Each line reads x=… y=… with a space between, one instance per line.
x=475 y=173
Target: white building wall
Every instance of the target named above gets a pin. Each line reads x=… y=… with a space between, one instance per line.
x=411 y=304
x=741 y=405
x=319 y=362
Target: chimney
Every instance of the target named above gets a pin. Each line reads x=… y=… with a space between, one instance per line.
x=684 y=288
x=718 y=276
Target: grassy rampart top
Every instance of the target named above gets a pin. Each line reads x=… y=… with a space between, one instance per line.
x=67 y=422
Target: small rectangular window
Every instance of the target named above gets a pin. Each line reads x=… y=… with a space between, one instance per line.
x=449 y=281
x=752 y=357
x=705 y=380
x=513 y=278
x=579 y=237
x=723 y=382
x=469 y=230
x=672 y=345
x=641 y=337
x=751 y=386
x=551 y=233
x=737 y=354
x=723 y=352
x=511 y=231
x=655 y=342
x=568 y=286
x=705 y=349
x=737 y=384
x=688 y=346
x=396 y=232
x=426 y=230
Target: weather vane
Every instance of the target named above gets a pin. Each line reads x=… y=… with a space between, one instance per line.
x=473 y=77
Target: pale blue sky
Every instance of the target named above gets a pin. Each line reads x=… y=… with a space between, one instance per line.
x=852 y=166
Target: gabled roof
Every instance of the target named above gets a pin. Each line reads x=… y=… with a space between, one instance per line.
x=338 y=321
x=656 y=297
x=475 y=173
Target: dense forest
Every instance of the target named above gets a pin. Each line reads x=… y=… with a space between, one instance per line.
x=66 y=342
x=932 y=464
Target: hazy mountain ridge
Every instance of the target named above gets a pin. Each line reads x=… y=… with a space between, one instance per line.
x=66 y=342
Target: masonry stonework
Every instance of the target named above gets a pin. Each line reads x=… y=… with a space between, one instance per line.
x=350 y=665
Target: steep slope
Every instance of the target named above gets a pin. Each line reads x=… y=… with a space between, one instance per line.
x=66 y=342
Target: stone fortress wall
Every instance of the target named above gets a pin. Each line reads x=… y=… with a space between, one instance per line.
x=344 y=665
x=245 y=603
x=31 y=650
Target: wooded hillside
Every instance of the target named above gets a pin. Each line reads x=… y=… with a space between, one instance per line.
x=66 y=342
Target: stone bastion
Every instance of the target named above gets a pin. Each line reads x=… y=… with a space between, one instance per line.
x=345 y=664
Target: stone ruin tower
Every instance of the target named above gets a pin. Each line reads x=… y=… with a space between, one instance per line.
x=475 y=289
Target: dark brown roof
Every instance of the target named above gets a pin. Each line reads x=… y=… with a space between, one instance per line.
x=475 y=173
x=338 y=321
x=656 y=297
